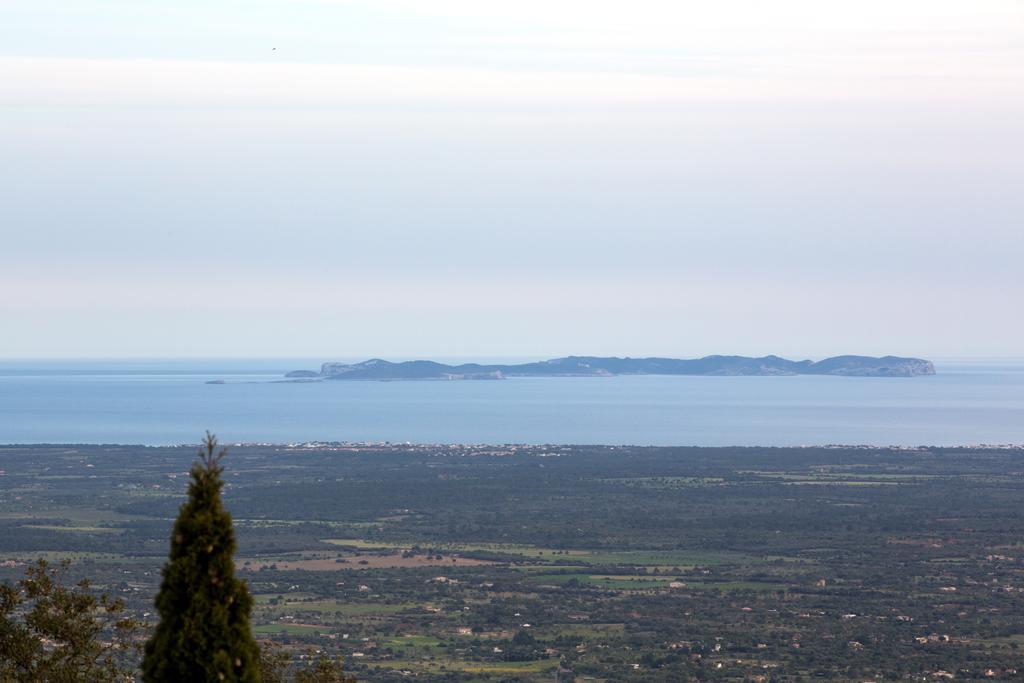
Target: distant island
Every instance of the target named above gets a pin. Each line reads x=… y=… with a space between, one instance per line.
x=591 y=366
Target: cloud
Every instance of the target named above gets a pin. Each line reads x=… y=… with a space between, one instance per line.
x=341 y=52
x=508 y=174
x=35 y=82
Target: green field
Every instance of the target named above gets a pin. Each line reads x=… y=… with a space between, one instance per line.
x=288 y=629
x=333 y=607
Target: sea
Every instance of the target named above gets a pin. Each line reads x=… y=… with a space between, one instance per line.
x=163 y=402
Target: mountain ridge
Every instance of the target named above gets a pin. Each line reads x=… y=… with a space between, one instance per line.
x=595 y=366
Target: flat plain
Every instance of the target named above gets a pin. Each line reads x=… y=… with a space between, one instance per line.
x=487 y=563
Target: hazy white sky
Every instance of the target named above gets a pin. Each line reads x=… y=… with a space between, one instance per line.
x=461 y=177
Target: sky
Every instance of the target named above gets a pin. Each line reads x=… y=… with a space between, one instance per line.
x=466 y=178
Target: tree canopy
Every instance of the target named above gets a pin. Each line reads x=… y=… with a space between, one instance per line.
x=204 y=632
x=60 y=634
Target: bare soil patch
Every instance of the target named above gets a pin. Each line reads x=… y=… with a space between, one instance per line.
x=370 y=561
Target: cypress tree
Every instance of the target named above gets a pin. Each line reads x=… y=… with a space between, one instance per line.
x=204 y=633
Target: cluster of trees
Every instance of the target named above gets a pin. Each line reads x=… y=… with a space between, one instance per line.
x=53 y=632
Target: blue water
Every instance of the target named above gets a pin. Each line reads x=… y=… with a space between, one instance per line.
x=168 y=402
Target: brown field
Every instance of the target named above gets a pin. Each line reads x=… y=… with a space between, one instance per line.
x=368 y=561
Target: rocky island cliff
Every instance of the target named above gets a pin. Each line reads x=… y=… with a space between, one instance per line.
x=591 y=366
